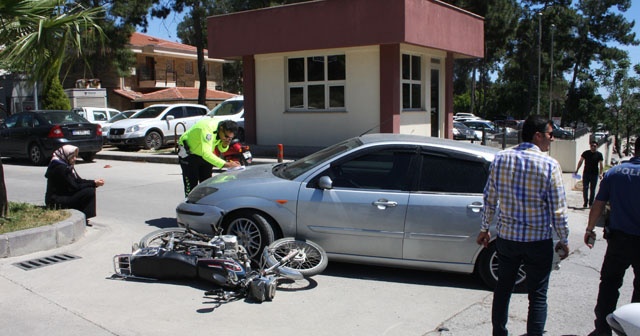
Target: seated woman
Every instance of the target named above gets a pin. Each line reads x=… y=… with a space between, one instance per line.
x=65 y=189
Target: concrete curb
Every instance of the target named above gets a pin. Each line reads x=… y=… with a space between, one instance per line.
x=43 y=238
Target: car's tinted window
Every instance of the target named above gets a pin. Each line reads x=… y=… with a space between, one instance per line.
x=176 y=112
x=386 y=169
x=194 y=111
x=149 y=112
x=26 y=120
x=227 y=108
x=453 y=175
x=65 y=117
x=11 y=121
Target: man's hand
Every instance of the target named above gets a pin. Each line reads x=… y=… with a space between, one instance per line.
x=483 y=238
x=589 y=238
x=231 y=164
x=562 y=250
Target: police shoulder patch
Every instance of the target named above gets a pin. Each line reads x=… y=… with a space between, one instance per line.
x=209 y=136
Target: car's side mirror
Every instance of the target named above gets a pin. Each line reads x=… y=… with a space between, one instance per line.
x=170 y=117
x=325 y=182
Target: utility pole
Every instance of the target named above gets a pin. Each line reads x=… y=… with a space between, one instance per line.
x=553 y=28
x=539 y=56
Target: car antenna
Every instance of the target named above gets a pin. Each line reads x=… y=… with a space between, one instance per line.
x=378 y=125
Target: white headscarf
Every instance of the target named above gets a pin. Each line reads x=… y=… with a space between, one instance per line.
x=65 y=153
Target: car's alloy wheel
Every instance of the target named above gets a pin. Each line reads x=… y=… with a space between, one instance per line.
x=487 y=269
x=253 y=230
x=153 y=140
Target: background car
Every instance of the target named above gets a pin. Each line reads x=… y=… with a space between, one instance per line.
x=482 y=126
x=97 y=115
x=37 y=134
x=462 y=132
x=231 y=109
x=120 y=116
x=561 y=133
x=155 y=126
x=387 y=199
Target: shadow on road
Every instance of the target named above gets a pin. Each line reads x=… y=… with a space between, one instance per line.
x=400 y=275
x=163 y=223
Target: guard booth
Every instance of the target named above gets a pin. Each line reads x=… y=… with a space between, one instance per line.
x=87 y=93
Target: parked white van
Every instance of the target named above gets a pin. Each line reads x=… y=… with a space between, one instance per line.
x=96 y=115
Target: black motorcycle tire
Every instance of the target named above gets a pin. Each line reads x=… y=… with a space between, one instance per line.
x=312 y=261
x=157 y=238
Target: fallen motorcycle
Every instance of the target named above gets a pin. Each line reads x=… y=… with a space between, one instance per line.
x=182 y=253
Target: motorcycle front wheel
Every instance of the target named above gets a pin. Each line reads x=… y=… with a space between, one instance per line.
x=311 y=260
x=160 y=238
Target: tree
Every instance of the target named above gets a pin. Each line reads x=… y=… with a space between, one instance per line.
x=54 y=96
x=37 y=34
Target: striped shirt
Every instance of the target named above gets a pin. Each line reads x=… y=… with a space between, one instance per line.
x=525 y=189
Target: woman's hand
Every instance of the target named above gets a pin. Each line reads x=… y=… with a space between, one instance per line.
x=99 y=182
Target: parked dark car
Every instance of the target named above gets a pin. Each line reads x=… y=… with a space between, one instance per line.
x=463 y=132
x=35 y=135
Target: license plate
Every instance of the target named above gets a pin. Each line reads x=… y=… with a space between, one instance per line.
x=247 y=155
x=81 y=132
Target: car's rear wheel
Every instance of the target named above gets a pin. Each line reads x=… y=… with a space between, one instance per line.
x=36 y=155
x=88 y=157
x=487 y=269
x=253 y=230
x=153 y=140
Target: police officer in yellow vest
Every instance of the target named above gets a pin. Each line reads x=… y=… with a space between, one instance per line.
x=196 y=150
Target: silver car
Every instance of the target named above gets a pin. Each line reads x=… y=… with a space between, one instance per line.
x=384 y=199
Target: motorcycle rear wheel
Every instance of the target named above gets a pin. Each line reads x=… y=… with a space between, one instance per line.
x=159 y=238
x=311 y=260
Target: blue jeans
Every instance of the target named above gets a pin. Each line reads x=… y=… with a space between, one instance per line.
x=537 y=258
x=589 y=182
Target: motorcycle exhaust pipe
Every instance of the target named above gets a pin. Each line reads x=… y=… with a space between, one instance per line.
x=286 y=272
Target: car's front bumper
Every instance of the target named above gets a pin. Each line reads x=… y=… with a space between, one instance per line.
x=199 y=217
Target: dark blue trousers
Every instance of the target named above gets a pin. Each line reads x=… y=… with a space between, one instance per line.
x=623 y=250
x=536 y=258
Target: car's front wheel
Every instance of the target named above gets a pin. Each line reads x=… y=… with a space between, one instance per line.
x=253 y=230
x=153 y=140
x=487 y=269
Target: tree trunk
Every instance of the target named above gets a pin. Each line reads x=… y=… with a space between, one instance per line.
x=4 y=202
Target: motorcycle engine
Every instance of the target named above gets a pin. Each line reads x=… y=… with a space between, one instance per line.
x=262 y=289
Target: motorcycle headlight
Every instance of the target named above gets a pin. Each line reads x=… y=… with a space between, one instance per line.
x=199 y=192
x=132 y=129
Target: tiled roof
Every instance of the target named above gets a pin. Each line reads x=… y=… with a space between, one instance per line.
x=141 y=40
x=175 y=93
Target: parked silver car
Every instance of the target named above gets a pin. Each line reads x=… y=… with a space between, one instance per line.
x=385 y=199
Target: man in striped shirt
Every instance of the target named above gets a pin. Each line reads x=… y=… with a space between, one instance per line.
x=526 y=193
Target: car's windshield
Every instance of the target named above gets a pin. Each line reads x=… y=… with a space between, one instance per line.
x=63 y=117
x=296 y=168
x=117 y=117
x=229 y=107
x=149 y=112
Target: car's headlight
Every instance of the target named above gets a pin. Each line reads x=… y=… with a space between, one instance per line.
x=199 y=192
x=132 y=129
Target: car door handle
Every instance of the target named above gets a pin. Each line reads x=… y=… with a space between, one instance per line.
x=475 y=206
x=383 y=204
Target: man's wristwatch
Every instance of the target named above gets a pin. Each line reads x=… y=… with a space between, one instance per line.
x=484 y=230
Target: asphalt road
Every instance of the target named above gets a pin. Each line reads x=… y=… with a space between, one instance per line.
x=78 y=297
